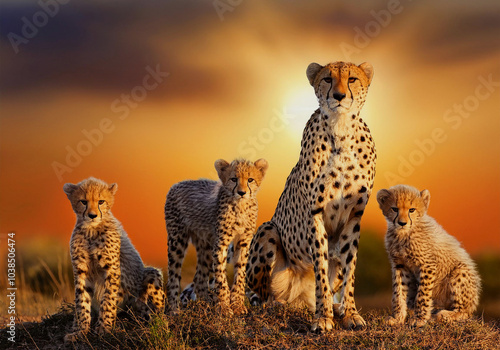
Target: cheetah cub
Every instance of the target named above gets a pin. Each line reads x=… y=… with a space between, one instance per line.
x=212 y=214
x=429 y=267
x=105 y=263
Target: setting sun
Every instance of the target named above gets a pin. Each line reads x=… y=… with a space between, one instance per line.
x=300 y=103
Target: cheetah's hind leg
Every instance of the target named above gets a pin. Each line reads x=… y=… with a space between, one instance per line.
x=187 y=295
x=463 y=299
x=152 y=298
x=451 y=315
x=261 y=261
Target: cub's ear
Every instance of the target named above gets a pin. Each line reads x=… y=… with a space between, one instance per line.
x=368 y=69
x=426 y=198
x=222 y=166
x=262 y=165
x=113 y=188
x=313 y=70
x=383 y=196
x=69 y=189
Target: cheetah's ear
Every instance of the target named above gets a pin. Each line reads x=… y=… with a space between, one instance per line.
x=113 y=188
x=313 y=70
x=368 y=69
x=382 y=197
x=426 y=198
x=262 y=165
x=69 y=189
x=221 y=166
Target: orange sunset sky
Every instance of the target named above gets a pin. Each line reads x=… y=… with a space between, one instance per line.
x=149 y=93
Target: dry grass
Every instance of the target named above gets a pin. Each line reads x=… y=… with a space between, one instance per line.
x=279 y=327
x=45 y=287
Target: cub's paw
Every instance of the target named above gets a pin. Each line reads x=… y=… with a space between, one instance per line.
x=173 y=312
x=394 y=321
x=239 y=309
x=353 y=321
x=238 y=304
x=322 y=325
x=418 y=322
x=224 y=309
x=102 y=329
x=172 y=308
x=449 y=316
x=71 y=337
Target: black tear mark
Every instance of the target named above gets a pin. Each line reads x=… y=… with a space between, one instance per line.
x=316 y=211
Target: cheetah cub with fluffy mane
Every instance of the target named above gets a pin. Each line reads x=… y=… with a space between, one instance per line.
x=429 y=267
x=212 y=214
x=105 y=263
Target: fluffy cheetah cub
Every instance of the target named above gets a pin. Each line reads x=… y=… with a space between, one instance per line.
x=429 y=267
x=105 y=263
x=212 y=214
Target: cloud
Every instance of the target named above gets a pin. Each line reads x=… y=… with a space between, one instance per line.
x=105 y=48
x=459 y=36
x=90 y=46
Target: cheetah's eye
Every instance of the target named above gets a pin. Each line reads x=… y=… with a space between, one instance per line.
x=352 y=80
x=234 y=179
x=250 y=179
x=394 y=209
x=83 y=202
x=327 y=80
x=101 y=202
x=412 y=210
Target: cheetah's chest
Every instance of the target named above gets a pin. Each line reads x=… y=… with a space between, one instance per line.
x=402 y=253
x=347 y=187
x=241 y=212
x=334 y=176
x=96 y=246
x=96 y=250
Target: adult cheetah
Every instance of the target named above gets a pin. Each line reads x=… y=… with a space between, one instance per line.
x=307 y=252
x=105 y=263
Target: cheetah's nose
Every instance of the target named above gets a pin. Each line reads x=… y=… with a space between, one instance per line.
x=92 y=216
x=401 y=223
x=241 y=193
x=338 y=96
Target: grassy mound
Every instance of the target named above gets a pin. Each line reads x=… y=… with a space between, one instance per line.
x=280 y=327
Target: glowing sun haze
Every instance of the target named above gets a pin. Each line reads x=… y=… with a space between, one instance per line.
x=148 y=94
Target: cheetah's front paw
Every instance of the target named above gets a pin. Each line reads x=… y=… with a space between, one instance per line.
x=71 y=337
x=239 y=309
x=394 y=321
x=322 y=325
x=353 y=321
x=238 y=304
x=449 y=316
x=224 y=309
x=418 y=322
x=172 y=308
x=102 y=329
